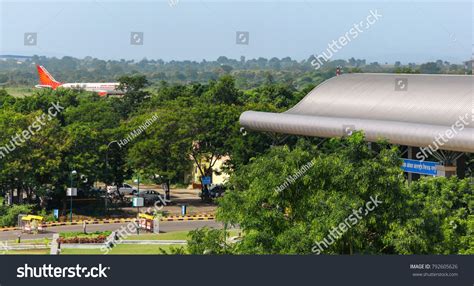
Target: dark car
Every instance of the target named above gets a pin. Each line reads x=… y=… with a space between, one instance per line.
x=212 y=192
x=150 y=196
x=90 y=193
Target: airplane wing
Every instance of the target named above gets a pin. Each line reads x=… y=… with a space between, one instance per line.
x=43 y=86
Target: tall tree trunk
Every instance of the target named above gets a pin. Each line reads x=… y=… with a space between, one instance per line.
x=167 y=191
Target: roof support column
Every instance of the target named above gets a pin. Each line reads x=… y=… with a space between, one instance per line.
x=461 y=166
x=411 y=155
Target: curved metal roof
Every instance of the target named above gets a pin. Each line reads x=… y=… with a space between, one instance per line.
x=405 y=109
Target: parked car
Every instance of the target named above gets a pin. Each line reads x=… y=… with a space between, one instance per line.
x=150 y=196
x=214 y=191
x=124 y=189
x=90 y=193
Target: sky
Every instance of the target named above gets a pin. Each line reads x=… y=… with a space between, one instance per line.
x=406 y=31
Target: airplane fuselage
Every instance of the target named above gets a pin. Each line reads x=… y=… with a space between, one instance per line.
x=46 y=80
x=108 y=87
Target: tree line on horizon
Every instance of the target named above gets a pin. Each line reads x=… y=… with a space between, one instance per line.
x=249 y=73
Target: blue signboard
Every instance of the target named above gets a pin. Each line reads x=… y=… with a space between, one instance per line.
x=420 y=167
x=206 y=180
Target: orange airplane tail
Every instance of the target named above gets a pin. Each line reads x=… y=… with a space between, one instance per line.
x=45 y=78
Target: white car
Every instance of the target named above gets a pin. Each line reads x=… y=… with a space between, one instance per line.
x=125 y=189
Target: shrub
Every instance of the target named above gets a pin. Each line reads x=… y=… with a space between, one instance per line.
x=9 y=214
x=207 y=241
x=81 y=234
x=78 y=239
x=48 y=216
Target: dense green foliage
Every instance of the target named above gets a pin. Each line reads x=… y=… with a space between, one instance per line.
x=431 y=216
x=193 y=124
x=437 y=218
x=208 y=241
x=196 y=115
x=9 y=215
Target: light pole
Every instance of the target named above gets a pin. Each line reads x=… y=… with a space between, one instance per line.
x=73 y=173
x=137 y=180
x=107 y=173
x=137 y=196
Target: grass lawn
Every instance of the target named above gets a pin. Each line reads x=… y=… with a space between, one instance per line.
x=81 y=234
x=19 y=91
x=123 y=249
x=175 y=235
x=31 y=241
x=28 y=252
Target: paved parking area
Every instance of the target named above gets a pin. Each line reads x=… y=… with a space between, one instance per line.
x=189 y=197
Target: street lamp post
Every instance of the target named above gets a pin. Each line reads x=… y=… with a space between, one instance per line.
x=73 y=173
x=107 y=173
x=137 y=196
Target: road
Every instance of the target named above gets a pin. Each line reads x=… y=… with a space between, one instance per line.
x=165 y=226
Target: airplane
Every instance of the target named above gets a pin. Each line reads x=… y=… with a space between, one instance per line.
x=46 y=80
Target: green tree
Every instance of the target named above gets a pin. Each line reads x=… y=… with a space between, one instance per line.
x=430 y=67
x=135 y=95
x=209 y=132
x=92 y=126
x=438 y=218
x=32 y=165
x=344 y=176
x=223 y=91
x=159 y=152
x=208 y=241
x=189 y=130
x=6 y=99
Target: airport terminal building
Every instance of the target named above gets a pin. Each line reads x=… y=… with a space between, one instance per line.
x=432 y=115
